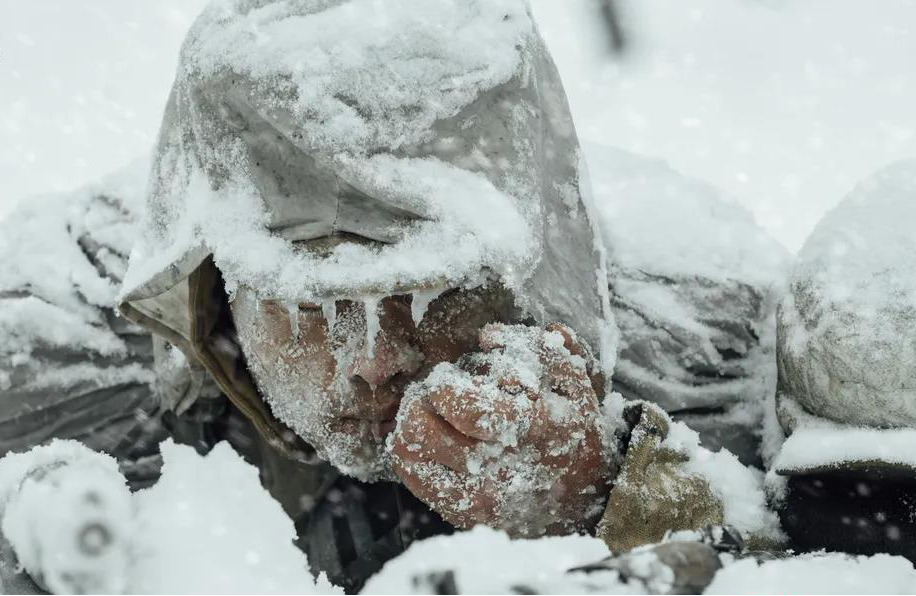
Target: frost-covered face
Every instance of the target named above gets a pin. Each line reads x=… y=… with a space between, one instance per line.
x=338 y=382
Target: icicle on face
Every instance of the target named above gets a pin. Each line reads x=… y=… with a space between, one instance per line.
x=329 y=310
x=293 y=310
x=372 y=324
x=420 y=301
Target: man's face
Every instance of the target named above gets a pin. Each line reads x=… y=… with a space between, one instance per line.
x=332 y=386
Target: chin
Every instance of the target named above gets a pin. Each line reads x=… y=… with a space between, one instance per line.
x=362 y=456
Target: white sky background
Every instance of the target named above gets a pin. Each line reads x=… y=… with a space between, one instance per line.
x=785 y=104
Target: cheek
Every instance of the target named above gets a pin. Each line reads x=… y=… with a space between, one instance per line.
x=442 y=343
x=306 y=367
x=452 y=331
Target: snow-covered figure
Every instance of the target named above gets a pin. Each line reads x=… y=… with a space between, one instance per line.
x=69 y=366
x=846 y=378
x=694 y=283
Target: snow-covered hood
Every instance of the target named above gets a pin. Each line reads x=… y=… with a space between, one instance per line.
x=437 y=127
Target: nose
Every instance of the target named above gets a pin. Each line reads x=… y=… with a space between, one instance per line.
x=392 y=355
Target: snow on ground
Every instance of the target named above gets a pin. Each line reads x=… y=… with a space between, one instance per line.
x=209 y=520
x=817 y=574
x=486 y=561
x=207 y=526
x=210 y=524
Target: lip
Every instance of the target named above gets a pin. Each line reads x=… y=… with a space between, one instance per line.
x=380 y=428
x=383 y=428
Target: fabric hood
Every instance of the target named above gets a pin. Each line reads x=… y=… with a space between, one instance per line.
x=437 y=132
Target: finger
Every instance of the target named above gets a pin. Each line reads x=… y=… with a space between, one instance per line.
x=558 y=428
x=576 y=347
x=496 y=336
x=513 y=385
x=565 y=376
x=461 y=500
x=483 y=413
x=570 y=342
x=492 y=337
x=424 y=433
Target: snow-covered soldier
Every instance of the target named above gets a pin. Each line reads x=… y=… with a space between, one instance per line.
x=342 y=206
x=367 y=224
x=844 y=477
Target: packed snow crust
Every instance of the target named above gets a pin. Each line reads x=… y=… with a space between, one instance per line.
x=816 y=443
x=487 y=561
x=817 y=573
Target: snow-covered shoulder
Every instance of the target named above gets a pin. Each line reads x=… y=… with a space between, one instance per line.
x=62 y=258
x=661 y=222
x=846 y=343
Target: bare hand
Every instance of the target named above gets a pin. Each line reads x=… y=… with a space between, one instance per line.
x=510 y=437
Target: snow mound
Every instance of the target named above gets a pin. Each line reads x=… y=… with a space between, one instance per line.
x=207 y=526
x=487 y=561
x=846 y=348
x=211 y=524
x=817 y=574
x=66 y=510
